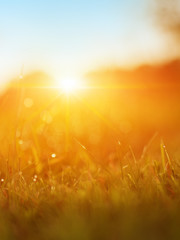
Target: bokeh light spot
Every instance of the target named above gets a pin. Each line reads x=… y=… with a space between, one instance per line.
x=28 y=102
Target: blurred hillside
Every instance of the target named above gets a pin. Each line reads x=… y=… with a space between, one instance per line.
x=143 y=100
x=120 y=107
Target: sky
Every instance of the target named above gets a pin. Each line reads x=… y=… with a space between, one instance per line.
x=75 y=36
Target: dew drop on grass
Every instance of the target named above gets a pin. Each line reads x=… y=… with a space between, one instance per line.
x=20 y=142
x=53 y=155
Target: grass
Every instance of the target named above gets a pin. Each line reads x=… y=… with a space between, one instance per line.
x=138 y=200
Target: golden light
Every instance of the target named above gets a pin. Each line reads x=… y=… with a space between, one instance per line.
x=53 y=155
x=69 y=85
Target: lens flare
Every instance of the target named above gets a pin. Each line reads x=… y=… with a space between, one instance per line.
x=69 y=85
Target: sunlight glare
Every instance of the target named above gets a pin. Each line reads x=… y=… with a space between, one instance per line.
x=69 y=85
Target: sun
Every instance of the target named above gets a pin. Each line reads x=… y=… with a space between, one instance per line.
x=70 y=85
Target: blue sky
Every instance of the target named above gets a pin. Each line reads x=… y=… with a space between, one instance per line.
x=75 y=35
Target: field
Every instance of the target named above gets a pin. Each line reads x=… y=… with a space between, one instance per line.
x=102 y=163
x=138 y=201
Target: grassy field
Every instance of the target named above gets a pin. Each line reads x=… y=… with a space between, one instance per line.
x=71 y=172
x=87 y=201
